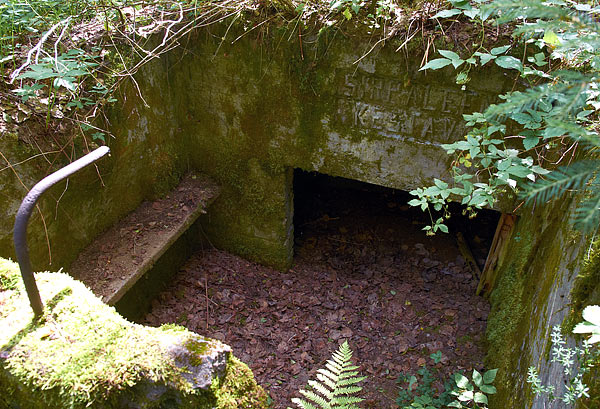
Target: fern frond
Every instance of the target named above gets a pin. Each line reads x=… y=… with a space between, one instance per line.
x=557 y=182
x=327 y=381
x=333 y=367
x=303 y=404
x=336 y=384
x=346 y=400
x=319 y=387
x=351 y=381
x=587 y=214
x=319 y=400
x=349 y=390
x=351 y=372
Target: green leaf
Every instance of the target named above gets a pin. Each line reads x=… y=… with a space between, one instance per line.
x=447 y=13
x=551 y=38
x=455 y=58
x=489 y=376
x=485 y=57
x=337 y=4
x=500 y=50
x=346 y=13
x=99 y=136
x=39 y=72
x=441 y=184
x=530 y=142
x=461 y=380
x=480 y=398
x=436 y=64
x=465 y=396
x=449 y=54
x=509 y=62
x=477 y=378
x=489 y=389
x=66 y=82
x=553 y=132
x=474 y=12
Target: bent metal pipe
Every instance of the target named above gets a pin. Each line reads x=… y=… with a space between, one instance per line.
x=22 y=219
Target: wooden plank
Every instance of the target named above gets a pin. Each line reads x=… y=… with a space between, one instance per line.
x=467 y=254
x=499 y=246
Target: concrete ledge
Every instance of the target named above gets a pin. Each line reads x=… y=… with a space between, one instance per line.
x=118 y=259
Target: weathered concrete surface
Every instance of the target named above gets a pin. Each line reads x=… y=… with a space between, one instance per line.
x=533 y=294
x=247 y=113
x=143 y=164
x=257 y=109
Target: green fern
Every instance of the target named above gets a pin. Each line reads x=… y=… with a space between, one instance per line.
x=336 y=385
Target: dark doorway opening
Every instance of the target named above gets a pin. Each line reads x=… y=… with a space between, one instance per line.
x=321 y=200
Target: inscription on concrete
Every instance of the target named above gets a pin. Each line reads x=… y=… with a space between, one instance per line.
x=400 y=109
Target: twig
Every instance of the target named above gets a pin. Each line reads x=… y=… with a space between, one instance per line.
x=30 y=158
x=206 y=295
x=35 y=49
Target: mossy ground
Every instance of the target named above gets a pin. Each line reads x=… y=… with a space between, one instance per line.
x=81 y=353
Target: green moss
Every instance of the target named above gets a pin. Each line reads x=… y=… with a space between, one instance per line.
x=239 y=390
x=519 y=301
x=8 y=279
x=81 y=353
x=197 y=349
x=586 y=290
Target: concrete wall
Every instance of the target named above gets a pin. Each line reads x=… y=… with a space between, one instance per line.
x=256 y=109
x=549 y=274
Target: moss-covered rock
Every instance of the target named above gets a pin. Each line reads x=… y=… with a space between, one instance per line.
x=81 y=353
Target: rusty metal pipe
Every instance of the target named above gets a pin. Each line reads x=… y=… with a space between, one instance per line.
x=22 y=219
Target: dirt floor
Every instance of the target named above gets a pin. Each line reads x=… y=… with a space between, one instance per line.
x=363 y=272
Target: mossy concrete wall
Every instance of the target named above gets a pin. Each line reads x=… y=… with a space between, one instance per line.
x=144 y=163
x=545 y=261
x=249 y=111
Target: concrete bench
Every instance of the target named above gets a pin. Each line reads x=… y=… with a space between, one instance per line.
x=131 y=262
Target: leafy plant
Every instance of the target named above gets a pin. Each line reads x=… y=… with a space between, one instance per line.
x=473 y=391
x=336 y=385
x=520 y=146
x=347 y=7
x=425 y=395
x=458 y=391
x=577 y=362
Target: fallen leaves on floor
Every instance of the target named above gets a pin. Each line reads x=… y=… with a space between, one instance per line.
x=395 y=303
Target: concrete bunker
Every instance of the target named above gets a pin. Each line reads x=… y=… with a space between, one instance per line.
x=379 y=121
